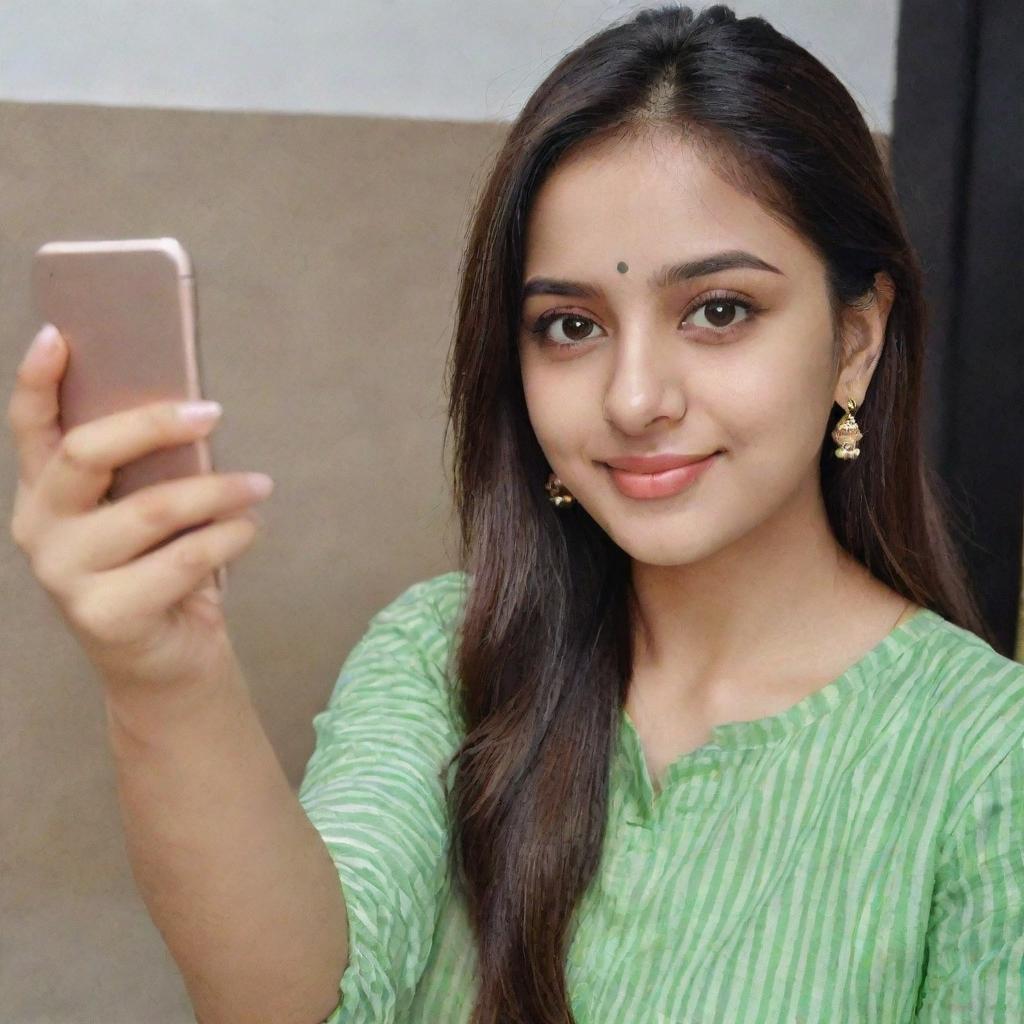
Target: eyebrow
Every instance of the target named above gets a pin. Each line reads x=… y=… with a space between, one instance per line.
x=667 y=276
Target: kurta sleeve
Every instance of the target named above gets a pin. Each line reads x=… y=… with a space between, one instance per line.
x=372 y=789
x=975 y=966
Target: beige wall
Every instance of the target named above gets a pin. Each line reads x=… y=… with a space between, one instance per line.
x=326 y=251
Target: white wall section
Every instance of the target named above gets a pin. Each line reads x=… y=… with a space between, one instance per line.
x=460 y=60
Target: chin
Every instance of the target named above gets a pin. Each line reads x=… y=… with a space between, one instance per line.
x=656 y=543
x=664 y=556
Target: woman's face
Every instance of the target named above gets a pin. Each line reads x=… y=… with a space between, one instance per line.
x=738 y=361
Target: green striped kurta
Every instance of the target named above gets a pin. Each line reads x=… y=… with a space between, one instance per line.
x=856 y=859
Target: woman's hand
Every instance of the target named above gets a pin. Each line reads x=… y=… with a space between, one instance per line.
x=139 y=614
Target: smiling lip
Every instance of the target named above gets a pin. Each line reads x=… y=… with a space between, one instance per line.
x=656 y=463
x=659 y=485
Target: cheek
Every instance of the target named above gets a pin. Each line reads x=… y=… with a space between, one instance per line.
x=558 y=412
x=773 y=414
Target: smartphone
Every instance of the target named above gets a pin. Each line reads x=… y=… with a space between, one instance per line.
x=127 y=311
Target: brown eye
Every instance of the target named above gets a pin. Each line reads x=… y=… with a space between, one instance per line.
x=721 y=313
x=575 y=329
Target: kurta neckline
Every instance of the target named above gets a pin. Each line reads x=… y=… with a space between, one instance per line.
x=734 y=736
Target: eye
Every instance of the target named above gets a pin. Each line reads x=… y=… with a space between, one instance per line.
x=721 y=312
x=578 y=327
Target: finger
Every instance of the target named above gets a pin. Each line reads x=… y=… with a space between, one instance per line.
x=148 y=587
x=112 y=535
x=33 y=411
x=80 y=472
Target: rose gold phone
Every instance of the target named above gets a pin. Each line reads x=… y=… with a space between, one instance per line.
x=127 y=310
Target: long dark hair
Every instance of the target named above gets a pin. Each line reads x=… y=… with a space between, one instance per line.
x=545 y=647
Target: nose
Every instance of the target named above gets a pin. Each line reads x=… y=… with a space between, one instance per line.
x=643 y=387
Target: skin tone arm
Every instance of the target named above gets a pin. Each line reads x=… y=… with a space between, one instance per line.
x=232 y=872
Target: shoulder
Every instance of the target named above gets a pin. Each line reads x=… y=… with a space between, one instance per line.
x=402 y=663
x=965 y=678
x=428 y=610
x=973 y=697
x=413 y=634
x=443 y=593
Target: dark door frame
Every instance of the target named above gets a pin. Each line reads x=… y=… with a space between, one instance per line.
x=957 y=158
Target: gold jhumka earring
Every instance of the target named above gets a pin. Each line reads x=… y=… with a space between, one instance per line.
x=847 y=433
x=558 y=493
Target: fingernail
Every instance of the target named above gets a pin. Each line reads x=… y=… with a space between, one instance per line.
x=45 y=341
x=199 y=412
x=259 y=484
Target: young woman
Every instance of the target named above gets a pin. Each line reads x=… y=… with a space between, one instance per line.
x=729 y=744
x=724 y=742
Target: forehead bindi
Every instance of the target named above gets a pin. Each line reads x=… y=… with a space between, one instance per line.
x=661 y=279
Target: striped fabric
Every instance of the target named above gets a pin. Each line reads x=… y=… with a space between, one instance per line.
x=857 y=858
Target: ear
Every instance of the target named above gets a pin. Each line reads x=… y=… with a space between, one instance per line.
x=863 y=333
